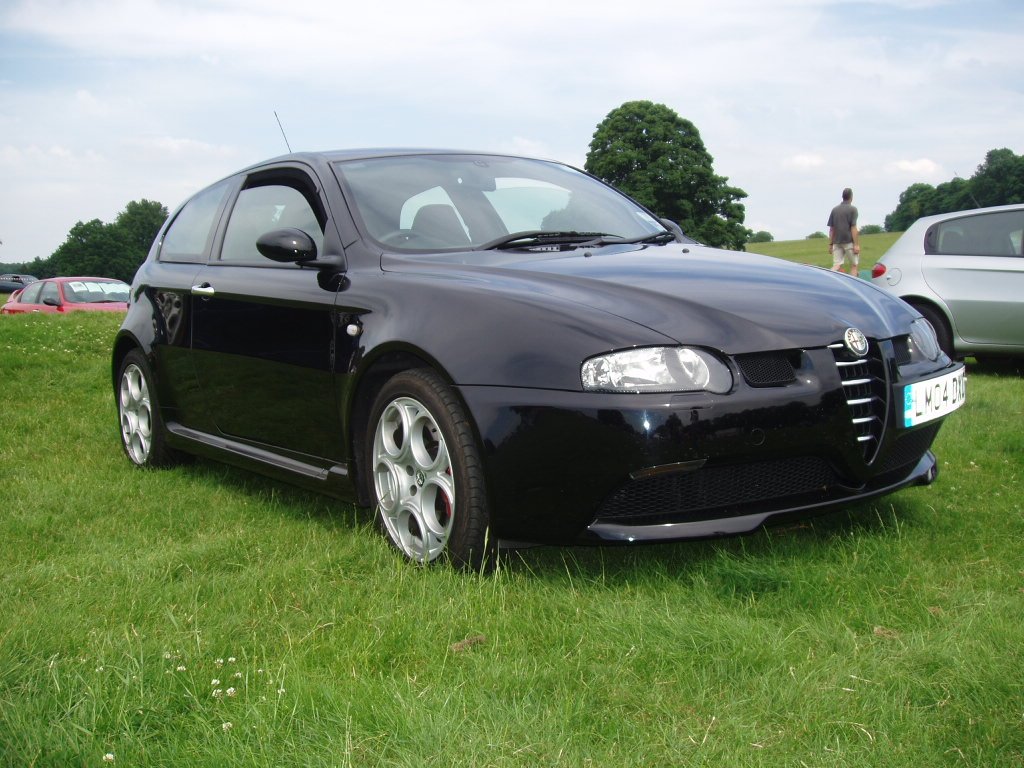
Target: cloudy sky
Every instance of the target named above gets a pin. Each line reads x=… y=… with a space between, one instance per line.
x=107 y=101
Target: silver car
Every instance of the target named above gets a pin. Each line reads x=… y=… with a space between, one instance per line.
x=964 y=272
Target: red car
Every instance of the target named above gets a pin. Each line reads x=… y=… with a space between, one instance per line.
x=69 y=294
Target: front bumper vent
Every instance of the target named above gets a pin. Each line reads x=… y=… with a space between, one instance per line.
x=767 y=369
x=717 y=491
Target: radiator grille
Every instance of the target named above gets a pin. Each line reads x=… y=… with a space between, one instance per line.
x=866 y=393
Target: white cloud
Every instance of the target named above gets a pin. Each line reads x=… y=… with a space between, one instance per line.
x=87 y=105
x=922 y=168
x=804 y=161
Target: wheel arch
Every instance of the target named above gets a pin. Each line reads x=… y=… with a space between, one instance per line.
x=373 y=374
x=123 y=344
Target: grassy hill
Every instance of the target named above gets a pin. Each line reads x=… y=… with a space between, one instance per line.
x=815 y=251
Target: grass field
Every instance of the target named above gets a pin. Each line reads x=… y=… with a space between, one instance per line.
x=204 y=616
x=815 y=251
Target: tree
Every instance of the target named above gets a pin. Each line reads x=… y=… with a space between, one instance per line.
x=913 y=201
x=870 y=229
x=104 y=250
x=139 y=222
x=998 y=181
x=819 y=235
x=658 y=158
x=761 y=237
x=91 y=248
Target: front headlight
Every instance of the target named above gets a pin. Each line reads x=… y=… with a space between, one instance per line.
x=924 y=345
x=656 y=369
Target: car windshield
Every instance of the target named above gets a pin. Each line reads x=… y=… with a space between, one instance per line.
x=446 y=202
x=94 y=292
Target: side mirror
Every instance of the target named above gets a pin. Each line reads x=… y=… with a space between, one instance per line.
x=51 y=302
x=287 y=246
x=675 y=229
x=293 y=246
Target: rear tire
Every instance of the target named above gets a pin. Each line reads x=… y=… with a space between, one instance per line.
x=425 y=473
x=143 y=433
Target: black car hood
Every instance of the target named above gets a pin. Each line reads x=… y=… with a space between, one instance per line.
x=729 y=300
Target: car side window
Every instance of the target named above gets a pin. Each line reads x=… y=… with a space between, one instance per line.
x=49 y=292
x=188 y=237
x=264 y=208
x=990 y=234
x=30 y=294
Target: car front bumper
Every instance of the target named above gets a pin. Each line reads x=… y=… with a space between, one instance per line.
x=566 y=467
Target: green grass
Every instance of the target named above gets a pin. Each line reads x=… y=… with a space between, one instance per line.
x=815 y=251
x=886 y=635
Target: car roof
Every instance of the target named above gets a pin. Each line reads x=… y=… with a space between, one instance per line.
x=70 y=278
x=372 y=152
x=338 y=155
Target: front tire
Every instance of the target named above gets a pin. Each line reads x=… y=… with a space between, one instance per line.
x=938 y=321
x=143 y=434
x=425 y=473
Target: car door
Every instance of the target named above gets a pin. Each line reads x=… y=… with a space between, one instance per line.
x=263 y=333
x=165 y=292
x=976 y=265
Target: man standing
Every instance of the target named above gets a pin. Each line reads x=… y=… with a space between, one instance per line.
x=843 y=238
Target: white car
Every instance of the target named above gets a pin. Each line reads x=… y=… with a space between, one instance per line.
x=964 y=271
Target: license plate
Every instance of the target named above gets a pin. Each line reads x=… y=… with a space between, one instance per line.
x=931 y=399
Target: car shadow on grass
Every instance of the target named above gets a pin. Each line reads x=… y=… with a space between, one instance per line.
x=813 y=538
x=763 y=550
x=1009 y=367
x=278 y=496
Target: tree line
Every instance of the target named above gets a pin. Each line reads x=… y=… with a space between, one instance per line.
x=645 y=149
x=999 y=180
x=97 y=249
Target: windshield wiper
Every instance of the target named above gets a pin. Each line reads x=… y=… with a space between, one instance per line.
x=543 y=237
x=573 y=237
x=659 y=238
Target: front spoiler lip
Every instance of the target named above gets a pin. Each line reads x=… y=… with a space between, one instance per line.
x=924 y=472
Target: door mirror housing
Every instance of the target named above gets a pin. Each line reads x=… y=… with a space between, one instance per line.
x=293 y=246
x=287 y=246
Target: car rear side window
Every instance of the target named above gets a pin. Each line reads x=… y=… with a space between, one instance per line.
x=30 y=294
x=262 y=209
x=188 y=237
x=989 y=234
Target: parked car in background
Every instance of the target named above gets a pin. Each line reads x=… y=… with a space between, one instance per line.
x=964 y=271
x=69 y=294
x=491 y=350
x=11 y=282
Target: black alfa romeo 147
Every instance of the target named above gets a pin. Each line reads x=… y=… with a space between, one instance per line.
x=496 y=350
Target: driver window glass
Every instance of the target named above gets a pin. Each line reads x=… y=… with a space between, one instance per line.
x=262 y=209
x=49 y=292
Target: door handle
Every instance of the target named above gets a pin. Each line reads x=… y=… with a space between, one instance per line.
x=204 y=289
